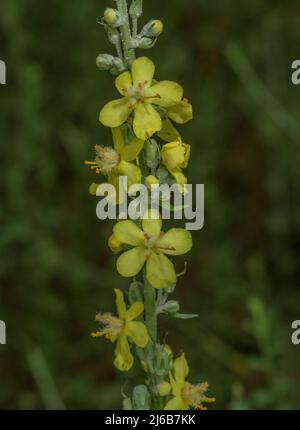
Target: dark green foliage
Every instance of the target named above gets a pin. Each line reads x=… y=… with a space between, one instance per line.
x=234 y=61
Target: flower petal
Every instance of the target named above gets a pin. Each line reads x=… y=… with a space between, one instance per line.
x=130 y=263
x=181 y=368
x=176 y=404
x=180 y=179
x=135 y=310
x=147 y=121
x=181 y=112
x=115 y=113
x=168 y=132
x=131 y=151
x=152 y=224
x=118 y=139
x=160 y=271
x=123 y=83
x=170 y=93
x=113 y=179
x=176 y=241
x=133 y=173
x=114 y=244
x=120 y=303
x=138 y=333
x=127 y=232
x=143 y=71
x=123 y=357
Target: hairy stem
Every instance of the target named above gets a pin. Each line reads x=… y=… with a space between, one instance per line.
x=150 y=309
x=129 y=54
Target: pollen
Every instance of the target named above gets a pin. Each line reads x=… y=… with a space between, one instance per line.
x=105 y=161
x=193 y=395
x=111 y=326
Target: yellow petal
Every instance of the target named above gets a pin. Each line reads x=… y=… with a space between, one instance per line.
x=180 y=179
x=152 y=224
x=143 y=71
x=118 y=139
x=114 y=244
x=130 y=151
x=130 y=263
x=115 y=113
x=127 y=232
x=176 y=404
x=181 y=112
x=170 y=93
x=120 y=304
x=135 y=310
x=147 y=121
x=177 y=386
x=176 y=241
x=123 y=83
x=113 y=179
x=123 y=357
x=160 y=271
x=168 y=132
x=181 y=368
x=138 y=333
x=133 y=173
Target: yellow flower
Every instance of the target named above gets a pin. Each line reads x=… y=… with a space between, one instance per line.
x=186 y=395
x=151 y=246
x=175 y=156
x=118 y=329
x=140 y=93
x=117 y=161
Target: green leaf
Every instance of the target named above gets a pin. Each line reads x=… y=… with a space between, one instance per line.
x=185 y=316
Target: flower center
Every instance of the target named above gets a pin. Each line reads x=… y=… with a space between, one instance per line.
x=111 y=326
x=139 y=94
x=193 y=395
x=105 y=161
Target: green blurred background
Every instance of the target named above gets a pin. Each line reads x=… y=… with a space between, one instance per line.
x=234 y=61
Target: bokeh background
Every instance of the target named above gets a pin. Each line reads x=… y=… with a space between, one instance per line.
x=234 y=60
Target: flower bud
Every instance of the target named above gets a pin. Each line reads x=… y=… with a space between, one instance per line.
x=164 y=388
x=154 y=28
x=136 y=8
x=104 y=61
x=151 y=180
x=151 y=153
x=175 y=155
x=157 y=28
x=136 y=292
x=141 y=398
x=111 y=16
x=168 y=350
x=171 y=307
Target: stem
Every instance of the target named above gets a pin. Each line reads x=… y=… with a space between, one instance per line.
x=129 y=53
x=134 y=27
x=150 y=309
